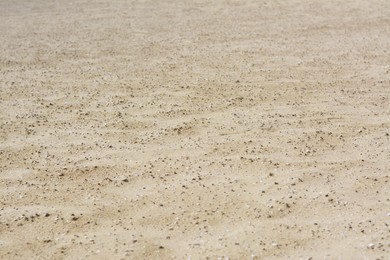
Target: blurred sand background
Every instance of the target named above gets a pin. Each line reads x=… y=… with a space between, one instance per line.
x=194 y=129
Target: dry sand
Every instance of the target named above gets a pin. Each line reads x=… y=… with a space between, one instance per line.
x=194 y=129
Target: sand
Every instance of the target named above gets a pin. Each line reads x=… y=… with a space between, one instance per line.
x=194 y=129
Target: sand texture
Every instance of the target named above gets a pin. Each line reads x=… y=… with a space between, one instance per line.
x=193 y=129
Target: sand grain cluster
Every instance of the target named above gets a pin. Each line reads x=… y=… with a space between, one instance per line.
x=193 y=129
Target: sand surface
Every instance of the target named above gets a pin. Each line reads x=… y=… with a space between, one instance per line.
x=194 y=129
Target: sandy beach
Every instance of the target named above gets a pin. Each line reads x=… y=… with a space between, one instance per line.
x=194 y=129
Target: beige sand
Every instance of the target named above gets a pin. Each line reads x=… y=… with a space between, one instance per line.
x=193 y=129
